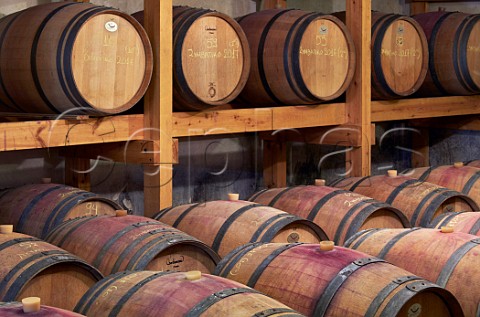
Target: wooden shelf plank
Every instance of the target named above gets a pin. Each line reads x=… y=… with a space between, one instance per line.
x=406 y=109
x=40 y=134
x=136 y=152
x=221 y=122
x=468 y=122
x=256 y=119
x=53 y=133
x=308 y=116
x=411 y=1
x=341 y=135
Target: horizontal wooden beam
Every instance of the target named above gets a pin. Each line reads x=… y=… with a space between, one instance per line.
x=229 y=120
x=460 y=123
x=411 y=1
x=308 y=116
x=136 y=152
x=213 y=122
x=407 y=109
x=67 y=132
x=342 y=135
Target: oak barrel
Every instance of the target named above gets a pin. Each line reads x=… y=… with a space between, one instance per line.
x=448 y=259
x=226 y=225
x=474 y=163
x=339 y=212
x=71 y=57
x=399 y=55
x=298 y=57
x=152 y=294
x=32 y=267
x=211 y=58
x=454 y=41
x=114 y=244
x=15 y=309
x=38 y=208
x=466 y=222
x=336 y=282
x=420 y=201
x=464 y=179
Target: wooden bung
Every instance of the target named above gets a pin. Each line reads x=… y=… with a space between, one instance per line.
x=449 y=260
x=420 y=199
x=121 y=213
x=193 y=275
x=327 y=245
x=459 y=177
x=353 y=212
x=132 y=243
x=33 y=267
x=392 y=173
x=31 y=304
x=150 y=293
x=224 y=225
x=463 y=221
x=447 y=229
x=343 y=282
x=54 y=204
x=233 y=196
x=6 y=229
x=319 y=182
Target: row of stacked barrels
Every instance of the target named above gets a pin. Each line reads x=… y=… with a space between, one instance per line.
x=82 y=58
x=86 y=237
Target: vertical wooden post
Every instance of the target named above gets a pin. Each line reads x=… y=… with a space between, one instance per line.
x=421 y=146
x=76 y=179
x=418 y=7
x=158 y=107
x=359 y=19
x=72 y=164
x=274 y=164
x=271 y=4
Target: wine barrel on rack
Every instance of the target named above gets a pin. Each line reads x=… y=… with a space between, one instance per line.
x=335 y=281
x=298 y=57
x=339 y=212
x=465 y=179
x=38 y=208
x=466 y=222
x=32 y=267
x=72 y=57
x=454 y=41
x=211 y=58
x=16 y=309
x=399 y=55
x=449 y=259
x=420 y=201
x=226 y=225
x=120 y=243
x=474 y=163
x=152 y=294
